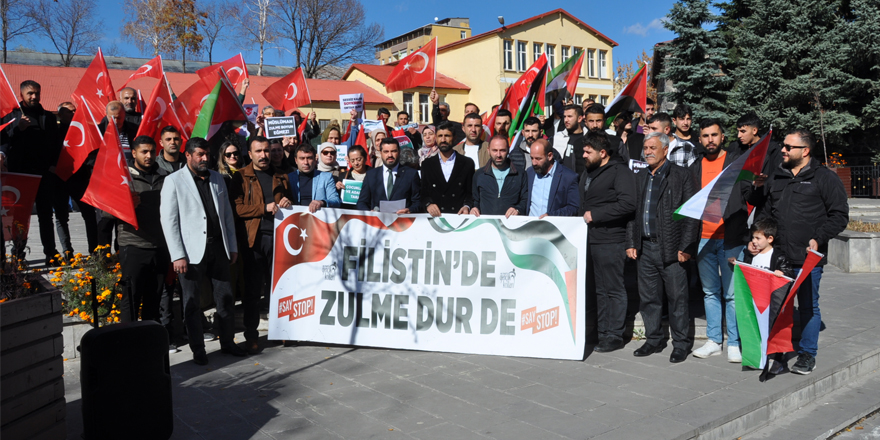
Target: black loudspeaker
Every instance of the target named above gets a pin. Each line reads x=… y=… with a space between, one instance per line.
x=126 y=382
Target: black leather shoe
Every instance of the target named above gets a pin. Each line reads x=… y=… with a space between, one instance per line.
x=253 y=347
x=200 y=358
x=608 y=345
x=678 y=355
x=648 y=349
x=234 y=350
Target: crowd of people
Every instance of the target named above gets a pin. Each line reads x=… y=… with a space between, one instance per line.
x=206 y=209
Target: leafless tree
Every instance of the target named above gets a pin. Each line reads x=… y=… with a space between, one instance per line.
x=13 y=21
x=70 y=25
x=219 y=22
x=257 y=25
x=327 y=32
x=144 y=26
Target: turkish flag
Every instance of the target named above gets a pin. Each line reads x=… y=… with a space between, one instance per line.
x=301 y=131
x=19 y=192
x=236 y=71
x=189 y=103
x=362 y=141
x=153 y=69
x=82 y=138
x=160 y=113
x=110 y=186
x=517 y=91
x=95 y=86
x=417 y=68
x=289 y=92
x=8 y=99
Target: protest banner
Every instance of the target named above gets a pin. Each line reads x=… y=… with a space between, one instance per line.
x=354 y=101
x=342 y=155
x=18 y=194
x=279 y=127
x=487 y=285
x=251 y=110
x=637 y=165
x=371 y=125
x=403 y=141
x=352 y=191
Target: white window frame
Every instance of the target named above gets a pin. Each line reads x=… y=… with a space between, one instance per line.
x=591 y=63
x=574 y=50
x=565 y=53
x=603 y=100
x=603 y=64
x=522 y=49
x=424 y=108
x=537 y=49
x=550 y=50
x=408 y=104
x=508 y=55
x=578 y=98
x=463 y=35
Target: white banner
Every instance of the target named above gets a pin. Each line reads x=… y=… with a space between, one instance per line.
x=352 y=101
x=486 y=285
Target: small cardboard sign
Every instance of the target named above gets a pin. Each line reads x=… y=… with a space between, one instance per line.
x=252 y=110
x=279 y=127
x=353 y=101
x=352 y=191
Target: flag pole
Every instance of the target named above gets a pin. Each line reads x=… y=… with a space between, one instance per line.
x=435 y=66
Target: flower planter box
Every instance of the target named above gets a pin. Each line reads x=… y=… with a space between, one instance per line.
x=32 y=401
x=855 y=252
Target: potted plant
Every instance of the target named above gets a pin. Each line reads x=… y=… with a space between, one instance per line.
x=84 y=276
x=31 y=346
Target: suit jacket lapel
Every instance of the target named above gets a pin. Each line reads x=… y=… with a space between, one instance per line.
x=189 y=182
x=554 y=186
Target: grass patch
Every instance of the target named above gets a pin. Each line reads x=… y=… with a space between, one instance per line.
x=860 y=226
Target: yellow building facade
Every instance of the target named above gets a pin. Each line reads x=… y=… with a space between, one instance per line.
x=447 y=31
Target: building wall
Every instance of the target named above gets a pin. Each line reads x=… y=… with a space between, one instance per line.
x=444 y=34
x=455 y=97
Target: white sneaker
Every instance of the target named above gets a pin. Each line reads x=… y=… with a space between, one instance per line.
x=733 y=354
x=710 y=348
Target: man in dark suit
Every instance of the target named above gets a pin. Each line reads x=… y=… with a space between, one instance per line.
x=552 y=187
x=390 y=182
x=447 y=178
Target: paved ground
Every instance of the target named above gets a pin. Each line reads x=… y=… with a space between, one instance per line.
x=347 y=392
x=868 y=429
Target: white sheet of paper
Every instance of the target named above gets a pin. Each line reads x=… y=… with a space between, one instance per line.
x=392 y=206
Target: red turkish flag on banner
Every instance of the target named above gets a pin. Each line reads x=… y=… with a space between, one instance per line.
x=417 y=68
x=95 y=86
x=153 y=69
x=8 y=98
x=189 y=103
x=82 y=138
x=160 y=113
x=18 y=192
x=236 y=71
x=110 y=187
x=289 y=92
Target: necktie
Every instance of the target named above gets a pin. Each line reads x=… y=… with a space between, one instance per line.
x=389 y=184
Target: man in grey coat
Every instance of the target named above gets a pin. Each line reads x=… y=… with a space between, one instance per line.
x=198 y=225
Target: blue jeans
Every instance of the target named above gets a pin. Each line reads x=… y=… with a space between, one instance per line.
x=716 y=276
x=808 y=309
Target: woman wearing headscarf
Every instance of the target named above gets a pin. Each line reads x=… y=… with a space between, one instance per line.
x=429 y=147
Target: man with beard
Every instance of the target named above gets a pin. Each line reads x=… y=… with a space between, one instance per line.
x=809 y=203
x=309 y=187
x=718 y=243
x=607 y=203
x=520 y=154
x=552 y=187
x=570 y=140
x=503 y=119
x=473 y=146
x=390 y=182
x=447 y=178
x=594 y=121
x=129 y=98
x=31 y=145
x=197 y=220
x=499 y=187
x=661 y=246
x=257 y=192
x=170 y=159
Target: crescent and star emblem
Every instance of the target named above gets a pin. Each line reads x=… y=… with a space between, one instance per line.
x=15 y=191
x=287 y=245
x=424 y=65
x=82 y=132
x=293 y=95
x=161 y=103
x=149 y=68
x=240 y=72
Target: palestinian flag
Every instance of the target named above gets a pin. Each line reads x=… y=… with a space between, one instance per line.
x=532 y=104
x=711 y=201
x=633 y=97
x=780 y=330
x=562 y=80
x=517 y=93
x=759 y=296
x=220 y=106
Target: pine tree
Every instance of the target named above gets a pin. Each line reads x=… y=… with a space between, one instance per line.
x=694 y=60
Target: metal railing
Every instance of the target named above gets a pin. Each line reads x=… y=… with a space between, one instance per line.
x=865 y=180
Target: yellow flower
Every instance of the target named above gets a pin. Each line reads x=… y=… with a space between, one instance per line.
x=83 y=303
x=106 y=292
x=76 y=310
x=119 y=295
x=115 y=319
x=108 y=255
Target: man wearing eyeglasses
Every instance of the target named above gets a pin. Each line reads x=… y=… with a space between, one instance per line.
x=809 y=203
x=257 y=192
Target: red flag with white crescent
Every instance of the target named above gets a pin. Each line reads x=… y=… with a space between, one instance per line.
x=517 y=91
x=82 y=138
x=18 y=193
x=189 y=103
x=95 y=86
x=152 y=69
x=8 y=98
x=236 y=71
x=289 y=92
x=110 y=186
x=415 y=69
x=160 y=113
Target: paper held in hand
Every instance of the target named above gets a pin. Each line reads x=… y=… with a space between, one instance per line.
x=352 y=191
x=353 y=101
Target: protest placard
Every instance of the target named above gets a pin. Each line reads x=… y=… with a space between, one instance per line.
x=637 y=165
x=371 y=125
x=251 y=110
x=352 y=191
x=279 y=127
x=342 y=155
x=353 y=101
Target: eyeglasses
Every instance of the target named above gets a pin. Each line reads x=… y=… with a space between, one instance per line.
x=328 y=153
x=792 y=147
x=234 y=153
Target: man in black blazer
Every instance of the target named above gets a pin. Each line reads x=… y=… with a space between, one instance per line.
x=559 y=195
x=447 y=178
x=390 y=182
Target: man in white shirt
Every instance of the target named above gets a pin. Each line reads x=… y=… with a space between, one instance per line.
x=473 y=146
